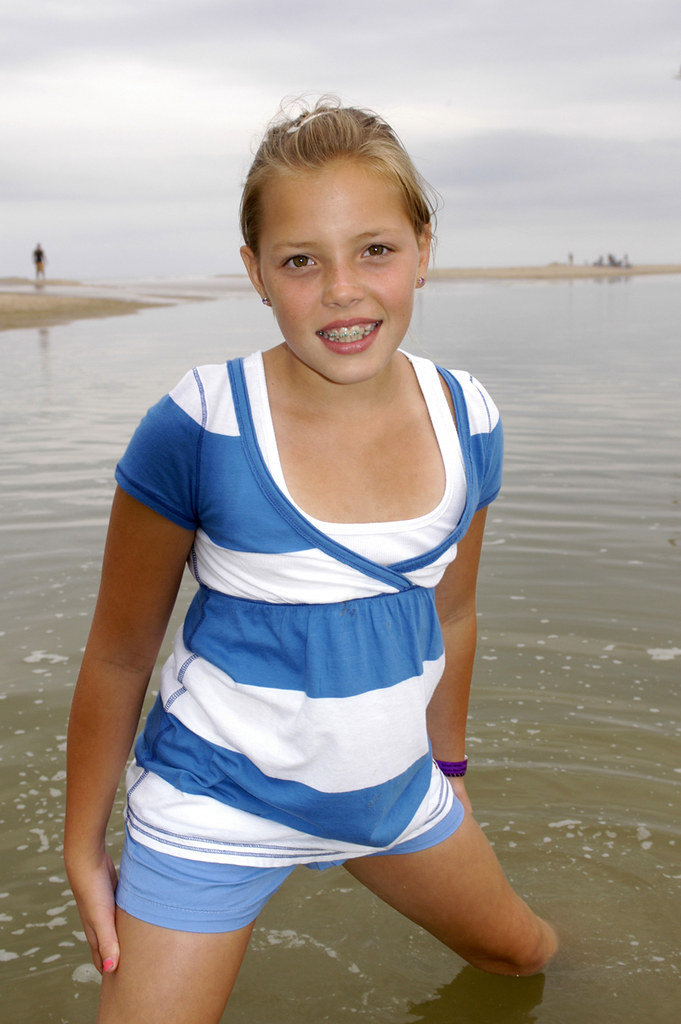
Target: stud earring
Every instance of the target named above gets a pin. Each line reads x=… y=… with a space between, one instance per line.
x=420 y=282
x=266 y=301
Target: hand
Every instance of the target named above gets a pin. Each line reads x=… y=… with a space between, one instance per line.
x=94 y=885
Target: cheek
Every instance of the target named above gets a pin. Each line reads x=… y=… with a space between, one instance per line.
x=295 y=302
x=402 y=297
x=291 y=313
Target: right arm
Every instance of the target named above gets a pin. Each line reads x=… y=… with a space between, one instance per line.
x=143 y=564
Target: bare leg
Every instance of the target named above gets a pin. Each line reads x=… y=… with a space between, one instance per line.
x=170 y=977
x=458 y=892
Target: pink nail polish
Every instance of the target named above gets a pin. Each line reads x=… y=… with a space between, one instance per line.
x=108 y=965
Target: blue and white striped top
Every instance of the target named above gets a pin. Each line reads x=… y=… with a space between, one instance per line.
x=290 y=725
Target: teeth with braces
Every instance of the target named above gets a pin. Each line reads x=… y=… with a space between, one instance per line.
x=355 y=333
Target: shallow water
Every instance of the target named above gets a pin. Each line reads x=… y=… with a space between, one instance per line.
x=574 y=732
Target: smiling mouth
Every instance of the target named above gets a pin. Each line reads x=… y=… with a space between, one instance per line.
x=355 y=333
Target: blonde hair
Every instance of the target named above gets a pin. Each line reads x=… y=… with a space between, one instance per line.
x=311 y=138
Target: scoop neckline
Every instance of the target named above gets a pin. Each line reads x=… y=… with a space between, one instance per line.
x=440 y=418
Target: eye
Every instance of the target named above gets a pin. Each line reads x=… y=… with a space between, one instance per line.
x=299 y=261
x=377 y=249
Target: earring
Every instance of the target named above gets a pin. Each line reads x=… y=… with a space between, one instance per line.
x=266 y=301
x=420 y=282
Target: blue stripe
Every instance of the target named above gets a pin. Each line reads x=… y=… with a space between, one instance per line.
x=374 y=816
x=330 y=650
x=234 y=512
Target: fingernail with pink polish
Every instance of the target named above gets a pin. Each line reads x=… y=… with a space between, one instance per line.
x=108 y=965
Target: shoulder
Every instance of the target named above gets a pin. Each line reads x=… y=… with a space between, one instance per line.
x=204 y=394
x=483 y=414
x=479 y=429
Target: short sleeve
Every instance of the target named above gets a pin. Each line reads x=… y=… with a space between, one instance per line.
x=486 y=438
x=481 y=435
x=160 y=467
x=493 y=466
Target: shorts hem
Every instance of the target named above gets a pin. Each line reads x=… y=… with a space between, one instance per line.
x=178 y=919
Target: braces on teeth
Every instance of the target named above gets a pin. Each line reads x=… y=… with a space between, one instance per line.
x=355 y=333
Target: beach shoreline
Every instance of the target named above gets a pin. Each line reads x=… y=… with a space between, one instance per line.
x=25 y=304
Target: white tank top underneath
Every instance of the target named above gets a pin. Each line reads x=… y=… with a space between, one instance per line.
x=391 y=542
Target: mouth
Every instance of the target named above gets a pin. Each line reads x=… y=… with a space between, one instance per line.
x=357 y=332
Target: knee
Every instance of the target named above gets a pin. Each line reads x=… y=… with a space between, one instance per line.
x=527 y=957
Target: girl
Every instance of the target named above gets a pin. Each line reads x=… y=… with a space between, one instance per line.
x=330 y=496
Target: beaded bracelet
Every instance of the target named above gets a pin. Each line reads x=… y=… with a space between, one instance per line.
x=453 y=769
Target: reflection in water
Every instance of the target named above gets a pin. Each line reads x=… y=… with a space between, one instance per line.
x=477 y=998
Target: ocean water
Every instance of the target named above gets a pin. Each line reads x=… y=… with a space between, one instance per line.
x=575 y=715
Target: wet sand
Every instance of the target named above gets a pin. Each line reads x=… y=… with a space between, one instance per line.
x=26 y=304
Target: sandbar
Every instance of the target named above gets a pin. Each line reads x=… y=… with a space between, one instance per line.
x=46 y=310
x=550 y=272
x=27 y=303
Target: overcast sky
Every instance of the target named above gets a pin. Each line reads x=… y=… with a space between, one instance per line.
x=126 y=128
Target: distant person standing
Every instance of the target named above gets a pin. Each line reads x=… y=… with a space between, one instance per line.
x=40 y=261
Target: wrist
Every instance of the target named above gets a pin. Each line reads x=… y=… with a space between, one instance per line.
x=83 y=847
x=453 y=769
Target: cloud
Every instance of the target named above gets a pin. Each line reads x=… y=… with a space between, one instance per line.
x=525 y=113
x=527 y=169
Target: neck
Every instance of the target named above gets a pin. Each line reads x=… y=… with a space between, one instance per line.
x=291 y=380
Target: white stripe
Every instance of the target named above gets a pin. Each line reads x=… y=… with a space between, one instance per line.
x=330 y=744
x=483 y=414
x=220 y=412
x=293 y=577
x=430 y=575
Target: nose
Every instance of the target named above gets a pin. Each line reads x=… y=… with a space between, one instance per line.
x=342 y=286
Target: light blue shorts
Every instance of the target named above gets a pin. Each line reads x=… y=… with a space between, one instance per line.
x=195 y=896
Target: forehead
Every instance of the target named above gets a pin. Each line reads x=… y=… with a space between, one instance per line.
x=349 y=190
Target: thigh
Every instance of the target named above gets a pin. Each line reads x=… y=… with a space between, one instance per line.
x=170 y=977
x=457 y=891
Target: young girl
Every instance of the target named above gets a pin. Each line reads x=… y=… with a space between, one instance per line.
x=329 y=496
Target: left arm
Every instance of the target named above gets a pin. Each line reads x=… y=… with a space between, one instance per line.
x=456 y=608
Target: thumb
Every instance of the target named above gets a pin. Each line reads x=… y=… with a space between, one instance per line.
x=109 y=956
x=106 y=951
x=108 y=947
x=94 y=892
x=103 y=947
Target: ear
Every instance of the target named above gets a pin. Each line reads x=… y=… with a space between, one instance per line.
x=424 y=240
x=253 y=270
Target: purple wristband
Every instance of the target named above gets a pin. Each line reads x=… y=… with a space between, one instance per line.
x=453 y=769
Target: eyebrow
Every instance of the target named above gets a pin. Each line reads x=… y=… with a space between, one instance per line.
x=363 y=236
